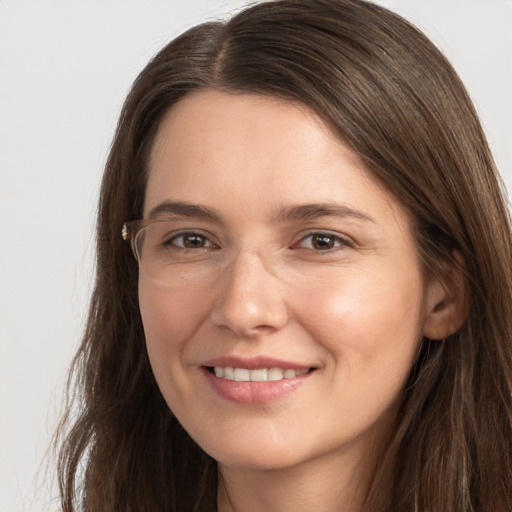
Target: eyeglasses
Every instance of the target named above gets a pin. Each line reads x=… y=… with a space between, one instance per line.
x=166 y=250
x=132 y=231
x=157 y=244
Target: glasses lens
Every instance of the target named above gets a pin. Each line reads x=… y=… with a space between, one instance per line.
x=160 y=245
x=153 y=243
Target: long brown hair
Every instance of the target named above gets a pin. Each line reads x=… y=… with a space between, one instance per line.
x=385 y=90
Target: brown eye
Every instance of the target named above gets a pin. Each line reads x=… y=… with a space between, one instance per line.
x=191 y=241
x=322 y=242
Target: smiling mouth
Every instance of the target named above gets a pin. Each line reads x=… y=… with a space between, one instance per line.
x=257 y=374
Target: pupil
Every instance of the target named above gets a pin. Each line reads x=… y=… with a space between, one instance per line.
x=193 y=241
x=322 y=242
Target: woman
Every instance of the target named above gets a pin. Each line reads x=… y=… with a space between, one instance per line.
x=318 y=313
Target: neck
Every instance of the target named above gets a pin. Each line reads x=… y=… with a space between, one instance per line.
x=332 y=482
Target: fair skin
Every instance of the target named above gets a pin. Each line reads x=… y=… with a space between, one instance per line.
x=299 y=259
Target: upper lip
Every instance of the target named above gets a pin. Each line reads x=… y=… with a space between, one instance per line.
x=254 y=363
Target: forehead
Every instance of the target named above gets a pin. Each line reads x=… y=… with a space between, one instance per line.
x=221 y=126
x=246 y=151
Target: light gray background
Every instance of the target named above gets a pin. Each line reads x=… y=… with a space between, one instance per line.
x=65 y=67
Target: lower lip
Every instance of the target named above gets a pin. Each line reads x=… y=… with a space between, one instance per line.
x=253 y=393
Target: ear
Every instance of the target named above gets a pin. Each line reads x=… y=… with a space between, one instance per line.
x=448 y=300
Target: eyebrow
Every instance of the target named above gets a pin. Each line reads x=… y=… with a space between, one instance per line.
x=317 y=210
x=183 y=209
x=301 y=212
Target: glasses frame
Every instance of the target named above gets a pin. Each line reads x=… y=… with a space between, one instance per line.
x=132 y=228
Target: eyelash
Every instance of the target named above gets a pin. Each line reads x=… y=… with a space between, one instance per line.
x=172 y=241
x=338 y=241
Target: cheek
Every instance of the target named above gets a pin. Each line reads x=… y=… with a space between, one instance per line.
x=370 y=335
x=170 y=317
x=365 y=318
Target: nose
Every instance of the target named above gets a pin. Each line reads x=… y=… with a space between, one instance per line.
x=250 y=299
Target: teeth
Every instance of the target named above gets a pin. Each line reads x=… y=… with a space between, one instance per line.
x=257 y=375
x=275 y=374
x=242 y=375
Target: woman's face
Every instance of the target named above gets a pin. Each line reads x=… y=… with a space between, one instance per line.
x=284 y=262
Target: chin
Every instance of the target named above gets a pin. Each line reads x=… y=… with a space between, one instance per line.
x=259 y=455
x=292 y=461
x=261 y=461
